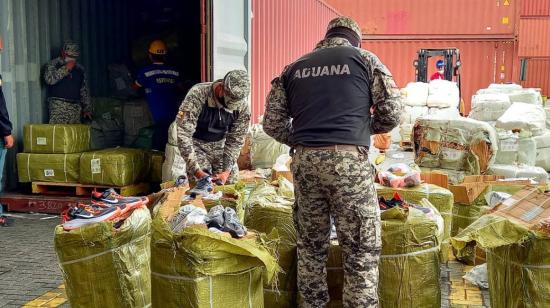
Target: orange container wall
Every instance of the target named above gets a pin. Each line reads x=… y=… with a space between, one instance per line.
x=534 y=34
x=282 y=31
x=483 y=62
x=537 y=75
x=432 y=17
x=535 y=8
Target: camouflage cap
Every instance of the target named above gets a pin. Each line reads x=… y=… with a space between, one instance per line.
x=236 y=84
x=71 y=48
x=347 y=22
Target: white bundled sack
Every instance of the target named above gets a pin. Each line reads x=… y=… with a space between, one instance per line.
x=528 y=96
x=512 y=149
x=505 y=86
x=489 y=107
x=174 y=164
x=543 y=141
x=521 y=171
x=405 y=130
x=411 y=113
x=523 y=116
x=443 y=94
x=543 y=158
x=547 y=111
x=173 y=134
x=415 y=94
x=448 y=113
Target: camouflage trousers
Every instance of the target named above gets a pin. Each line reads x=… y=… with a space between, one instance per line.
x=210 y=157
x=338 y=184
x=62 y=112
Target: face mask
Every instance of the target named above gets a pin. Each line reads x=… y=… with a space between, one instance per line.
x=441 y=71
x=69 y=59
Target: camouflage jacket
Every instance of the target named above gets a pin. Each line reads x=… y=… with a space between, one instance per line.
x=387 y=106
x=56 y=71
x=188 y=114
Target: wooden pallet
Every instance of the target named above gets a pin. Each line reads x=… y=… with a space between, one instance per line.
x=406 y=145
x=77 y=189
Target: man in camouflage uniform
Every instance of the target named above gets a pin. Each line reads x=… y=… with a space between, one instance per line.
x=212 y=124
x=68 y=94
x=337 y=96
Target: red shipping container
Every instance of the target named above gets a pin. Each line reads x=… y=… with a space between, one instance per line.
x=537 y=75
x=483 y=62
x=282 y=31
x=534 y=34
x=488 y=18
x=535 y=8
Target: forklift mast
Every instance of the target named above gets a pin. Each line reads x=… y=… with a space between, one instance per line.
x=451 y=58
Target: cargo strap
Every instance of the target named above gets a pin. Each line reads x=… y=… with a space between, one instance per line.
x=211 y=289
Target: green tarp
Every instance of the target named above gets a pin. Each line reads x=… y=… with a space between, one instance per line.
x=56 y=138
x=198 y=268
x=409 y=264
x=518 y=261
x=63 y=168
x=441 y=198
x=107 y=267
x=268 y=210
x=114 y=167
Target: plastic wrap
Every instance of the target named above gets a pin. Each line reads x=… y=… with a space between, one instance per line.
x=443 y=94
x=518 y=261
x=415 y=94
x=136 y=116
x=524 y=116
x=513 y=149
x=198 y=268
x=107 y=267
x=56 y=138
x=459 y=144
x=173 y=165
x=114 y=167
x=411 y=113
x=489 y=107
x=157 y=160
x=528 y=96
x=504 y=87
x=409 y=262
x=441 y=198
x=63 y=168
x=448 y=113
x=536 y=173
x=264 y=150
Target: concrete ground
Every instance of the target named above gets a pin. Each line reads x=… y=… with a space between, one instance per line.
x=30 y=276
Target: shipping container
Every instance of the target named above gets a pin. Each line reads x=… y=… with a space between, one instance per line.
x=432 y=18
x=483 y=62
x=536 y=75
x=535 y=8
x=534 y=37
x=281 y=33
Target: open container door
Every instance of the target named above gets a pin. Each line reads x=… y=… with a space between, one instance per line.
x=230 y=26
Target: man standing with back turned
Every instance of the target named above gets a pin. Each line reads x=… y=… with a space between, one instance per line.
x=326 y=105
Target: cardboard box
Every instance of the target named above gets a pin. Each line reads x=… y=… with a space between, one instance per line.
x=436 y=178
x=529 y=207
x=275 y=174
x=473 y=185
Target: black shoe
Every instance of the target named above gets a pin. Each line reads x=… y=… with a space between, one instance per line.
x=232 y=223
x=215 y=218
x=204 y=187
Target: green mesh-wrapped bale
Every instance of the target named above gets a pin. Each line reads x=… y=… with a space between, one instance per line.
x=107 y=267
x=157 y=158
x=518 y=261
x=409 y=264
x=114 y=167
x=268 y=211
x=64 y=168
x=56 y=138
x=441 y=198
x=198 y=268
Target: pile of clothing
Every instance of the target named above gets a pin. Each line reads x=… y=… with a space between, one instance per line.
x=218 y=220
x=399 y=202
x=105 y=206
x=399 y=175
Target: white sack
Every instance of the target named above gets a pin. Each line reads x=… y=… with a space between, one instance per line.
x=528 y=96
x=524 y=117
x=543 y=141
x=174 y=164
x=489 y=107
x=510 y=171
x=411 y=113
x=415 y=94
x=505 y=86
x=543 y=158
x=443 y=94
x=512 y=149
x=447 y=113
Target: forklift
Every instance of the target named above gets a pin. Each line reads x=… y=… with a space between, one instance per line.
x=451 y=58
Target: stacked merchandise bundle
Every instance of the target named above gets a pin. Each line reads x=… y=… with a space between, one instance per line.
x=517 y=239
x=458 y=146
x=260 y=150
x=268 y=210
x=52 y=152
x=414 y=97
x=114 y=167
x=174 y=164
x=138 y=122
x=195 y=263
x=411 y=235
x=107 y=124
x=106 y=246
x=157 y=160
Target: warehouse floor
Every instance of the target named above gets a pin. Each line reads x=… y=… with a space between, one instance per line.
x=30 y=277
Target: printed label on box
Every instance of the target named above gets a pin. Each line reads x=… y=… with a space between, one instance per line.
x=452 y=154
x=49 y=172
x=96 y=166
x=510 y=145
x=41 y=141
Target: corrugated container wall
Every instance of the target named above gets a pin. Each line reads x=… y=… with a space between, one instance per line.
x=537 y=75
x=33 y=32
x=432 y=17
x=483 y=62
x=534 y=34
x=282 y=31
x=535 y=8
